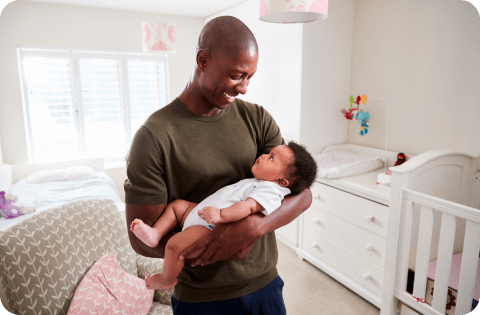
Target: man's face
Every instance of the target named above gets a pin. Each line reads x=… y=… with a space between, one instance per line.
x=228 y=75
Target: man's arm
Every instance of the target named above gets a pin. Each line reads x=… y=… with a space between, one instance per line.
x=149 y=215
x=232 y=241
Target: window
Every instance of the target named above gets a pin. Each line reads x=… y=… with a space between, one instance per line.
x=88 y=104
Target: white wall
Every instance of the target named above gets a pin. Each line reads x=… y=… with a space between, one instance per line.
x=63 y=26
x=326 y=68
x=1 y=155
x=277 y=82
x=425 y=57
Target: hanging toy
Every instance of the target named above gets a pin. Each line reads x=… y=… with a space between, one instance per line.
x=363 y=118
x=358 y=114
x=349 y=113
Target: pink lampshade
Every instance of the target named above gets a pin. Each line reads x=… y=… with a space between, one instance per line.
x=293 y=11
x=158 y=37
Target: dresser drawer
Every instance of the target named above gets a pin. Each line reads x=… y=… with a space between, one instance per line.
x=364 y=213
x=360 y=241
x=353 y=266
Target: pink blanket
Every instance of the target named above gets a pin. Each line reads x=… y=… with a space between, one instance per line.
x=455 y=274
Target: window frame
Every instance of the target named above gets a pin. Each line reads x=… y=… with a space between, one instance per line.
x=75 y=55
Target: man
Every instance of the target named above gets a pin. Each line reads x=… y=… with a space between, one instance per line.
x=204 y=140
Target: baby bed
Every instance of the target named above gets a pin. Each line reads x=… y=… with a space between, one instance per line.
x=434 y=213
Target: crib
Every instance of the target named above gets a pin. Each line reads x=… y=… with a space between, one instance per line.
x=434 y=214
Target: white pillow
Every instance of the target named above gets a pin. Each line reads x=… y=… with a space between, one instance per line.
x=61 y=174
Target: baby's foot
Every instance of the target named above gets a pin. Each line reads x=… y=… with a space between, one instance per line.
x=156 y=281
x=145 y=233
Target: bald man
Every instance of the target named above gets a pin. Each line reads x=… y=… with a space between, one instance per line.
x=204 y=140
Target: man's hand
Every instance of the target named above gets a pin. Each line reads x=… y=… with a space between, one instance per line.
x=210 y=214
x=226 y=242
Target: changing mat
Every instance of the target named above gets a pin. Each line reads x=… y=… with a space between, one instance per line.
x=342 y=163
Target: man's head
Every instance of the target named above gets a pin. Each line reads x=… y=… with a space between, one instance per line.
x=227 y=56
x=288 y=166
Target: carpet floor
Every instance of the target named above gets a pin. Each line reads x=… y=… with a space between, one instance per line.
x=309 y=291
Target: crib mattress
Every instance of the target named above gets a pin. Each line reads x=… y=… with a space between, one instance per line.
x=455 y=274
x=450 y=305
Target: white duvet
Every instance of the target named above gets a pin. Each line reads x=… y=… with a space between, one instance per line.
x=47 y=195
x=342 y=163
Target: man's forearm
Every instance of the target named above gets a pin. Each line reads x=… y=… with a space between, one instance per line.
x=291 y=208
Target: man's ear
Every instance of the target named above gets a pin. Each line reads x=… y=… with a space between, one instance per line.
x=203 y=57
x=283 y=182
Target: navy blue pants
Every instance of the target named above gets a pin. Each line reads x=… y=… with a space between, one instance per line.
x=266 y=301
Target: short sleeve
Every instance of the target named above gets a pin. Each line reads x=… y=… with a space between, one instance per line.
x=269 y=195
x=271 y=136
x=145 y=183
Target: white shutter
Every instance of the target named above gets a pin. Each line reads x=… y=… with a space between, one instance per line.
x=88 y=104
x=102 y=108
x=50 y=107
x=146 y=80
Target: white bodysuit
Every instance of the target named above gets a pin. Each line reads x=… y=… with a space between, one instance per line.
x=268 y=194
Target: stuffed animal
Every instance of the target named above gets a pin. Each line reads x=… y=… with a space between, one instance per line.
x=401 y=158
x=10 y=209
x=363 y=118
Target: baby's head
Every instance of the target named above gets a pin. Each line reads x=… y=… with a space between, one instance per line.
x=288 y=166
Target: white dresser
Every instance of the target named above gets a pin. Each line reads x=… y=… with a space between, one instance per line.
x=344 y=232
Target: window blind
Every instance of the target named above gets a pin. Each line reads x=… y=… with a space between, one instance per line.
x=88 y=104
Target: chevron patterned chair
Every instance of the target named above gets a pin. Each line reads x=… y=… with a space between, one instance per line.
x=44 y=258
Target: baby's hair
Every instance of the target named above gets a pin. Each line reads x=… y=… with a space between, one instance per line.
x=303 y=171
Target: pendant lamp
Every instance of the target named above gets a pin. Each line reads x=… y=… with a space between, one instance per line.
x=158 y=37
x=293 y=11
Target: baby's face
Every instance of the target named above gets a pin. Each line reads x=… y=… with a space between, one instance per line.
x=272 y=166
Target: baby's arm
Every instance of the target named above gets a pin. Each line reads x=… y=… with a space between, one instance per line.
x=237 y=211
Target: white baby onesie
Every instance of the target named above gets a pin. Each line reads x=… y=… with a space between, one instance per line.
x=268 y=194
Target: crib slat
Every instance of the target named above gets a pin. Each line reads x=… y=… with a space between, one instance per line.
x=423 y=252
x=468 y=269
x=444 y=261
x=407 y=236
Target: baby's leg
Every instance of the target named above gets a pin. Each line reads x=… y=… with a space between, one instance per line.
x=172 y=216
x=172 y=266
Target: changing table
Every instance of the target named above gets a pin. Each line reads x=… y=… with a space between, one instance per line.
x=344 y=231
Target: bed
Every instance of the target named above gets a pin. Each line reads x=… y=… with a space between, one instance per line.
x=434 y=217
x=48 y=185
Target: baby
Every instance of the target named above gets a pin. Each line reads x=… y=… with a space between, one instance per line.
x=286 y=169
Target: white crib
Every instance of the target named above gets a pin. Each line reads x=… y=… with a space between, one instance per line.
x=434 y=213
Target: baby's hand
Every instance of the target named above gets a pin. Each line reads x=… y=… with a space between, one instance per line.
x=210 y=214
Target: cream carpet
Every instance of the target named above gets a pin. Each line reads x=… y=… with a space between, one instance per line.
x=309 y=291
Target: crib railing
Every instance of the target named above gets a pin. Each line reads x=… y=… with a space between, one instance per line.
x=450 y=212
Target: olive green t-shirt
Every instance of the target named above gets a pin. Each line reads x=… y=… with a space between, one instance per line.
x=177 y=154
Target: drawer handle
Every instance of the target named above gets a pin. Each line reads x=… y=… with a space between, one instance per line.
x=315 y=245
x=316 y=221
x=369 y=218
x=367 y=276
x=316 y=196
x=368 y=247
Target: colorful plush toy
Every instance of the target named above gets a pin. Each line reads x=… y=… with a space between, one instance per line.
x=10 y=209
x=350 y=113
x=401 y=158
x=363 y=118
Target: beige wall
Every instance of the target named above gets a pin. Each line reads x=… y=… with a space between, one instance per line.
x=424 y=56
x=326 y=67
x=62 y=26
